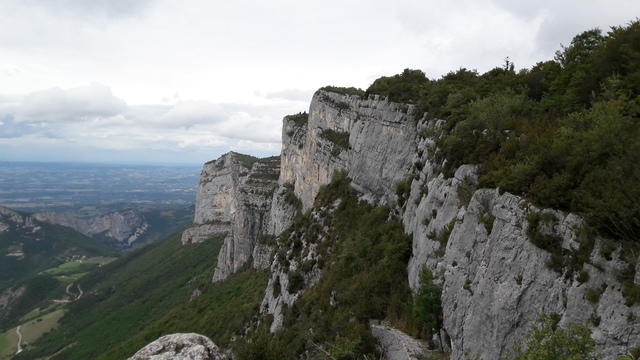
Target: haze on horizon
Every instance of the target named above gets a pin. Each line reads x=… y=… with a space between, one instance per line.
x=159 y=81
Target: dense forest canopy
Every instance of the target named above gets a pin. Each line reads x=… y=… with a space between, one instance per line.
x=564 y=133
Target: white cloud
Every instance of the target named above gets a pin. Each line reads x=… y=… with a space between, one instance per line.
x=199 y=75
x=76 y=104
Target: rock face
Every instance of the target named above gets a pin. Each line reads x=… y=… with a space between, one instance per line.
x=180 y=347
x=495 y=281
x=396 y=345
x=10 y=219
x=233 y=200
x=373 y=140
x=120 y=227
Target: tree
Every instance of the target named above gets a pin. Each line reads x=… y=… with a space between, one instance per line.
x=548 y=341
x=428 y=303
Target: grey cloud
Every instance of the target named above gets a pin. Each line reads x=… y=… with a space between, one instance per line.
x=76 y=104
x=91 y=8
x=289 y=94
x=188 y=114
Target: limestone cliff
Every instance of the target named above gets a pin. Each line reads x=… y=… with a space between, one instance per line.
x=477 y=242
x=123 y=228
x=373 y=139
x=495 y=281
x=233 y=200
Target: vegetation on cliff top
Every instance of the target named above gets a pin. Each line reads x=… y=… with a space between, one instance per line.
x=565 y=133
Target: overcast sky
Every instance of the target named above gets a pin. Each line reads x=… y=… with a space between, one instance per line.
x=186 y=80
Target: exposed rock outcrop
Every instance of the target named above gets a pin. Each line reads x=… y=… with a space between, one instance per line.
x=372 y=139
x=11 y=219
x=396 y=345
x=233 y=200
x=122 y=228
x=495 y=281
x=180 y=347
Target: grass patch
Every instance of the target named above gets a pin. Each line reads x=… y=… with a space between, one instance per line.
x=34 y=329
x=71 y=267
x=220 y=313
x=8 y=344
x=127 y=295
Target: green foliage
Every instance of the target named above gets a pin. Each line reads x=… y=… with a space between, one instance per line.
x=236 y=300
x=363 y=256
x=465 y=190
x=427 y=303
x=443 y=237
x=344 y=90
x=340 y=140
x=564 y=133
x=46 y=248
x=487 y=220
x=125 y=296
x=403 y=189
x=300 y=119
x=593 y=294
x=551 y=243
x=632 y=354
x=296 y=282
x=246 y=160
x=405 y=88
x=547 y=341
x=290 y=197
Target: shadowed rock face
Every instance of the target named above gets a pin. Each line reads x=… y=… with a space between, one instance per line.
x=180 y=347
x=123 y=227
x=233 y=200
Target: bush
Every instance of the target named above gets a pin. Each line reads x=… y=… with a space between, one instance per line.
x=344 y=90
x=565 y=133
x=407 y=87
x=551 y=243
x=403 y=189
x=296 y=282
x=340 y=140
x=427 y=304
x=546 y=340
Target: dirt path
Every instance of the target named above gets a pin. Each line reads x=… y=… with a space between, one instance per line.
x=80 y=292
x=69 y=292
x=19 y=340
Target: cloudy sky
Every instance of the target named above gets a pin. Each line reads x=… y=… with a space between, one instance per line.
x=183 y=81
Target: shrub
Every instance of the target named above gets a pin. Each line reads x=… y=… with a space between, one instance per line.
x=547 y=242
x=487 y=220
x=340 y=140
x=344 y=90
x=403 y=189
x=296 y=282
x=593 y=294
x=465 y=190
x=546 y=340
x=427 y=304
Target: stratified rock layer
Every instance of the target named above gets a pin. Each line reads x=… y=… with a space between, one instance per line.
x=122 y=227
x=495 y=282
x=233 y=200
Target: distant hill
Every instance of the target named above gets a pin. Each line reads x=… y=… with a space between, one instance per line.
x=30 y=253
